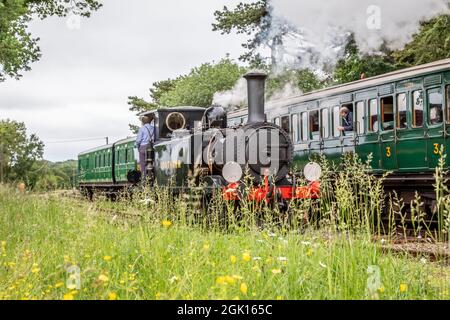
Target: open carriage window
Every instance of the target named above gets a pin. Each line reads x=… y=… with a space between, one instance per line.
x=435 y=103
x=402 y=121
x=417 y=109
x=387 y=113
x=314 y=123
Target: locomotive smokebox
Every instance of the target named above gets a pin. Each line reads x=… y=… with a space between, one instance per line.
x=256 y=82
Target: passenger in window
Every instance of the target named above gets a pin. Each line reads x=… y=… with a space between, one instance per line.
x=347 y=120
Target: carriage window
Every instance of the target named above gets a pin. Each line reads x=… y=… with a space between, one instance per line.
x=336 y=122
x=314 y=122
x=305 y=126
x=417 y=109
x=387 y=113
x=435 y=102
x=360 y=118
x=402 y=121
x=448 y=103
x=325 y=126
x=295 y=128
x=373 y=115
x=285 y=124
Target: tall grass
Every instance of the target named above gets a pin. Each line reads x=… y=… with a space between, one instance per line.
x=161 y=246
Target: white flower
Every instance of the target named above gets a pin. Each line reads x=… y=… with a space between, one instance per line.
x=323 y=265
x=173 y=279
x=256 y=258
x=282 y=259
x=306 y=243
x=423 y=260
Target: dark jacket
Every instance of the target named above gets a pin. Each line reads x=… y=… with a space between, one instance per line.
x=347 y=122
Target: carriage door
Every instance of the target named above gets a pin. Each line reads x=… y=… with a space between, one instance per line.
x=388 y=134
x=435 y=102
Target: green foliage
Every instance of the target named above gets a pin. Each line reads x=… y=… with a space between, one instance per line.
x=355 y=65
x=246 y=18
x=18 y=49
x=304 y=80
x=18 y=152
x=430 y=44
x=199 y=86
x=46 y=175
x=196 y=88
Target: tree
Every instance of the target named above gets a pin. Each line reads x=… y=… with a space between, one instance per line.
x=354 y=64
x=18 y=152
x=18 y=49
x=431 y=43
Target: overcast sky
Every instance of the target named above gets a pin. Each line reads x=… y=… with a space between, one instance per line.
x=79 y=88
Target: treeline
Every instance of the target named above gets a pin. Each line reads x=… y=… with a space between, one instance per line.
x=21 y=160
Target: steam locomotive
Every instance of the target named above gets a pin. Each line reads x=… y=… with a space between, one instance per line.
x=195 y=146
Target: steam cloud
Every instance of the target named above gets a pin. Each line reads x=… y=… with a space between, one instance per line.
x=323 y=27
x=234 y=98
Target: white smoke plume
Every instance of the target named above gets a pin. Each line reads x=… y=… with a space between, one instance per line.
x=322 y=27
x=234 y=98
x=289 y=90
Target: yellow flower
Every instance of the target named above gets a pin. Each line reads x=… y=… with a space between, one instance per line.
x=233 y=259
x=276 y=271
x=3 y=244
x=103 y=278
x=246 y=257
x=68 y=296
x=107 y=258
x=206 y=246
x=244 y=288
x=403 y=287
x=221 y=281
x=66 y=258
x=35 y=270
x=279 y=298
x=236 y=298
x=310 y=252
x=230 y=280
x=158 y=296
x=381 y=290
x=112 y=296
x=59 y=284
x=166 y=223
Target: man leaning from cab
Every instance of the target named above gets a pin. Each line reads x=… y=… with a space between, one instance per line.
x=145 y=138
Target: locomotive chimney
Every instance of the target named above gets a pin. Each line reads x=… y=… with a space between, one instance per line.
x=256 y=82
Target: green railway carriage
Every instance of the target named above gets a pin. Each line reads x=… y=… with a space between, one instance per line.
x=401 y=118
x=107 y=167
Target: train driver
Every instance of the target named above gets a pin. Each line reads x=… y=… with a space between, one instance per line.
x=145 y=138
x=347 y=120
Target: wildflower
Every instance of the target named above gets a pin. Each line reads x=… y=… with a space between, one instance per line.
x=323 y=265
x=381 y=290
x=68 y=296
x=59 y=284
x=246 y=257
x=35 y=268
x=276 y=271
x=233 y=259
x=256 y=268
x=423 y=260
x=206 y=246
x=103 y=278
x=173 y=279
x=112 y=296
x=221 y=281
x=282 y=259
x=309 y=253
x=166 y=223
x=66 y=258
x=279 y=298
x=306 y=243
x=403 y=287
x=158 y=296
x=243 y=288
x=230 y=280
x=72 y=286
x=269 y=260
x=236 y=298
x=256 y=258
x=107 y=258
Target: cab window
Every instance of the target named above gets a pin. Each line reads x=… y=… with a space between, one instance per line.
x=417 y=109
x=360 y=118
x=324 y=121
x=387 y=113
x=373 y=116
x=336 y=122
x=402 y=121
x=314 y=123
x=435 y=106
